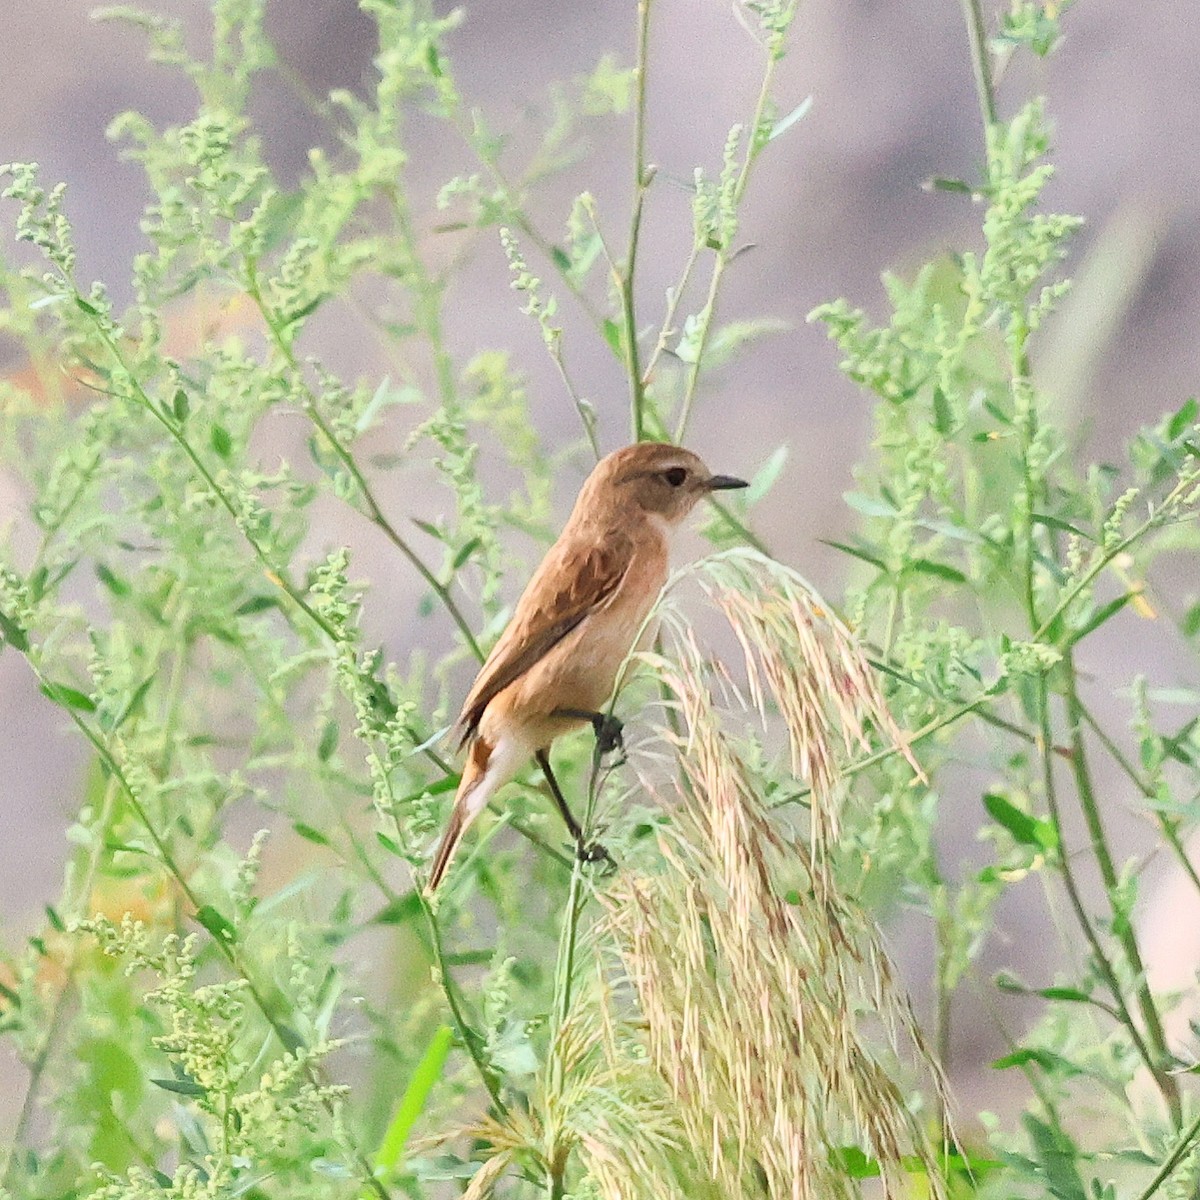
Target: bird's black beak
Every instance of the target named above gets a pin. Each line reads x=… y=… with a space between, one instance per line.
x=725 y=483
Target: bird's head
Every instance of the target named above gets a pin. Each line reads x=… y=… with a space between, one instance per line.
x=656 y=478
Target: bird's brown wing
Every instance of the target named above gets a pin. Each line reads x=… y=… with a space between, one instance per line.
x=569 y=585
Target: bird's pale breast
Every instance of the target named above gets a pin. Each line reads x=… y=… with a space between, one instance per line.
x=581 y=670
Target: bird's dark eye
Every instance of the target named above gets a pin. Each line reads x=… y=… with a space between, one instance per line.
x=675 y=476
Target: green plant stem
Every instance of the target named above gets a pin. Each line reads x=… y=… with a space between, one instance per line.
x=627 y=277
x=287 y=1037
x=176 y=432
x=981 y=62
x=726 y=253
x=1170 y=828
x=374 y=512
x=471 y=1040
x=1163 y=513
x=1122 y=929
x=1187 y=1139
x=667 y=329
x=741 y=528
x=564 y=979
x=926 y=731
x=74 y=906
x=1099 y=957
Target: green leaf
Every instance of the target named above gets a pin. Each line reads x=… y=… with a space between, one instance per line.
x=136 y=699
x=560 y=258
x=87 y=307
x=1191 y=621
x=1184 y=419
x=114 y=583
x=416 y=1095
x=222 y=443
x=943 y=414
x=256 y=604
x=1029 y=831
x=857 y=552
x=869 y=506
x=310 y=834
x=785 y=123
x=68 y=697
x=397 y=912
x=1052 y=522
x=329 y=740
x=927 y=566
x=181 y=1087
x=305 y=310
x=1102 y=614
x=465 y=553
x=1071 y=995
x=940 y=183
x=430 y=528
x=389 y=844
x=1056 y=1154
x=612 y=335
x=14 y=635
x=180 y=406
x=1031 y=1056
x=764 y=478
x=217 y=925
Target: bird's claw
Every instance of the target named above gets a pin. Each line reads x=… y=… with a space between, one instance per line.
x=594 y=852
x=609 y=734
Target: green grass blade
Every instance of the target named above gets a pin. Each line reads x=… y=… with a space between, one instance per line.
x=412 y=1103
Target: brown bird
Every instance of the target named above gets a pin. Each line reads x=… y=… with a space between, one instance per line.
x=556 y=663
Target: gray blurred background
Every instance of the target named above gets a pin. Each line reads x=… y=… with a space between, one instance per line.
x=833 y=202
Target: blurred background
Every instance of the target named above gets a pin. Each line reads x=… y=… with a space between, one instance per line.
x=833 y=202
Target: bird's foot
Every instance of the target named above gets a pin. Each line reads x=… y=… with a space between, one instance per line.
x=610 y=734
x=594 y=852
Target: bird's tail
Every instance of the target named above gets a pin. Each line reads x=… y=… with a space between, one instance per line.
x=446 y=848
x=478 y=783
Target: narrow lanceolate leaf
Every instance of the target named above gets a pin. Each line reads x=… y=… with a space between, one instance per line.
x=181 y=1087
x=217 y=925
x=785 y=123
x=1098 y=618
x=1184 y=419
x=940 y=570
x=1028 y=830
x=222 y=443
x=68 y=697
x=416 y=1095
x=13 y=634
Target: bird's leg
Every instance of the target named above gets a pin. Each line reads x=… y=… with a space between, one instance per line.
x=607 y=728
x=585 y=851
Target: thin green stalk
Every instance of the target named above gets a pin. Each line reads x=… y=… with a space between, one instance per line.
x=667 y=329
x=1122 y=930
x=51 y=1033
x=1099 y=957
x=926 y=731
x=564 y=979
x=471 y=1040
x=1187 y=1140
x=741 y=528
x=641 y=181
x=943 y=1012
x=726 y=254
x=1089 y=576
x=1170 y=828
x=374 y=512
x=981 y=62
x=176 y=432
x=74 y=906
